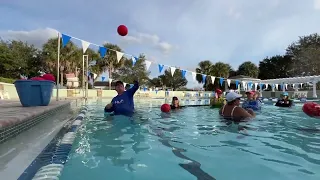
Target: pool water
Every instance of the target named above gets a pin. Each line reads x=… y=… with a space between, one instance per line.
x=194 y=143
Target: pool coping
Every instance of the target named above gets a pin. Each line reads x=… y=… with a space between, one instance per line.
x=50 y=162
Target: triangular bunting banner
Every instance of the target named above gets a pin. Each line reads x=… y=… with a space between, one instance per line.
x=160 y=66
x=119 y=55
x=301 y=84
x=65 y=39
x=267 y=86
x=85 y=45
x=194 y=75
x=204 y=77
x=172 y=70
x=134 y=60
x=277 y=86
x=286 y=86
x=293 y=86
x=183 y=72
x=221 y=81
x=131 y=85
x=124 y=85
x=103 y=51
x=260 y=86
x=148 y=64
x=213 y=78
x=237 y=84
x=228 y=81
x=244 y=85
x=110 y=80
x=103 y=78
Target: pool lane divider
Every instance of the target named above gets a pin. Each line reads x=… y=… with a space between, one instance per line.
x=50 y=162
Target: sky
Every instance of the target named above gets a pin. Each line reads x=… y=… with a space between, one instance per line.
x=177 y=33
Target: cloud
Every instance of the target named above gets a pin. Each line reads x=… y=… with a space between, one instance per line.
x=36 y=37
x=148 y=40
x=317 y=4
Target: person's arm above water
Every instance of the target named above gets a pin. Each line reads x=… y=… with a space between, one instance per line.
x=278 y=103
x=133 y=90
x=244 y=113
x=109 y=107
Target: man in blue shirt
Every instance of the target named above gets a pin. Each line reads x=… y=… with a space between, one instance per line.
x=123 y=104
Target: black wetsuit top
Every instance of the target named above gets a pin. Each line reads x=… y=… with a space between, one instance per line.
x=281 y=103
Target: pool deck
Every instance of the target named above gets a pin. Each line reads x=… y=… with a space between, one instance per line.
x=13 y=113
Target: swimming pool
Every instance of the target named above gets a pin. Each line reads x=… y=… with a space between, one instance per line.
x=194 y=142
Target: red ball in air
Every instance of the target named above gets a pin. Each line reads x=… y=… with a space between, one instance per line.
x=165 y=108
x=122 y=30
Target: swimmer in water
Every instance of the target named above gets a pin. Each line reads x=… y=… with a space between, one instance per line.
x=123 y=104
x=175 y=103
x=233 y=111
x=252 y=101
x=284 y=101
x=218 y=101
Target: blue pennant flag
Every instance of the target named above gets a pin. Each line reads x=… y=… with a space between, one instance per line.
x=281 y=86
x=221 y=81
x=103 y=51
x=273 y=85
x=160 y=66
x=156 y=91
x=144 y=88
x=204 y=78
x=237 y=84
x=260 y=85
x=183 y=72
x=131 y=85
x=65 y=39
x=103 y=78
x=134 y=60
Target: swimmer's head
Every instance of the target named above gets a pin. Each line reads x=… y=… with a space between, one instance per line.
x=219 y=92
x=250 y=94
x=175 y=101
x=119 y=87
x=233 y=98
x=284 y=95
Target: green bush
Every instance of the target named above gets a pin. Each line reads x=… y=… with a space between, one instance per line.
x=7 y=80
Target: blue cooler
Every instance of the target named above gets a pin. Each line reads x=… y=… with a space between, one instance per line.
x=34 y=93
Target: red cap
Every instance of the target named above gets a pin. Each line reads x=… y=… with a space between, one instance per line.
x=218 y=91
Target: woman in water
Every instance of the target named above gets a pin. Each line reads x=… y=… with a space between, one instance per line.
x=175 y=103
x=232 y=110
x=284 y=101
x=252 y=102
x=218 y=101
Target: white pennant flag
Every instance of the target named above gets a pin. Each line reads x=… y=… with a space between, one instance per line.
x=228 y=81
x=194 y=75
x=124 y=84
x=255 y=86
x=148 y=64
x=266 y=86
x=213 y=79
x=85 y=45
x=244 y=85
x=172 y=69
x=110 y=80
x=119 y=55
x=293 y=86
x=301 y=84
x=286 y=86
x=277 y=86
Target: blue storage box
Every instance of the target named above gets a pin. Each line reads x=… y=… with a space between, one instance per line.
x=34 y=93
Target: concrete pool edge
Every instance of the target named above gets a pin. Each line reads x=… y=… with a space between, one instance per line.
x=50 y=162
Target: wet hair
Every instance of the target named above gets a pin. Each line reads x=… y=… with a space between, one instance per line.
x=118 y=83
x=174 y=98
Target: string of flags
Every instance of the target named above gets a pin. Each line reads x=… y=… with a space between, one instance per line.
x=103 y=51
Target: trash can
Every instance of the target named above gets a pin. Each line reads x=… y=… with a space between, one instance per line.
x=34 y=93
